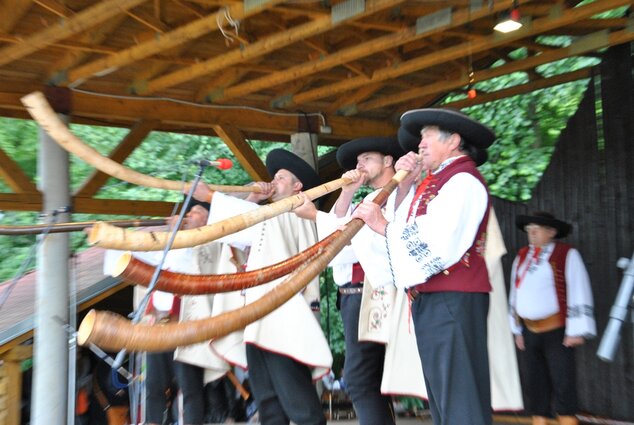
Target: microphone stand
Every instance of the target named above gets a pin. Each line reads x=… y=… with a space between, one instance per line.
x=625 y=296
x=137 y=315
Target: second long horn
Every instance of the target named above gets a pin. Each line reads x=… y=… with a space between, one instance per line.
x=107 y=236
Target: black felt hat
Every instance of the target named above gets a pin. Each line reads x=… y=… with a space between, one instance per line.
x=282 y=159
x=348 y=152
x=193 y=202
x=409 y=142
x=544 y=218
x=473 y=132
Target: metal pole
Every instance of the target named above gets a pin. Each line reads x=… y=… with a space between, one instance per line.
x=50 y=351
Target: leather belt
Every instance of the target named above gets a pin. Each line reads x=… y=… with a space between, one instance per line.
x=550 y=323
x=413 y=293
x=351 y=290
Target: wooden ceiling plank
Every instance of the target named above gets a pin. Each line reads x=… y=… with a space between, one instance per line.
x=91 y=38
x=80 y=22
x=12 y=174
x=349 y=54
x=130 y=142
x=538 y=26
x=55 y=7
x=9 y=20
x=523 y=88
x=261 y=47
x=150 y=21
x=173 y=38
x=587 y=44
x=236 y=142
x=341 y=105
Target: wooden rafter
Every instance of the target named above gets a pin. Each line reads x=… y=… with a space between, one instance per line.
x=538 y=26
x=129 y=143
x=589 y=43
x=261 y=47
x=247 y=157
x=348 y=54
x=149 y=48
x=12 y=174
x=523 y=88
x=82 y=21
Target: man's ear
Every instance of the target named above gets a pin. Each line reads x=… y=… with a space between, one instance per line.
x=388 y=160
x=297 y=186
x=454 y=141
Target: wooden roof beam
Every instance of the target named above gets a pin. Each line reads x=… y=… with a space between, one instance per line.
x=178 y=115
x=130 y=142
x=235 y=140
x=522 y=88
x=557 y=18
x=87 y=18
x=155 y=46
x=349 y=54
x=12 y=174
x=261 y=47
x=590 y=43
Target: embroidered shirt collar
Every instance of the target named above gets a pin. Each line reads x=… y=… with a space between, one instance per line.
x=445 y=163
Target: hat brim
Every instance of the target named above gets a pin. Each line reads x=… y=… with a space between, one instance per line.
x=472 y=131
x=563 y=228
x=348 y=152
x=409 y=142
x=279 y=159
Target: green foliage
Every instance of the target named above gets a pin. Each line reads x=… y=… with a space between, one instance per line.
x=331 y=319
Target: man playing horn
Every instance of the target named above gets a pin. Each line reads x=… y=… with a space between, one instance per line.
x=438 y=252
x=286 y=349
x=368 y=161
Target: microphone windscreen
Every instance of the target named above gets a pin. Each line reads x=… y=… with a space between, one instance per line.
x=224 y=163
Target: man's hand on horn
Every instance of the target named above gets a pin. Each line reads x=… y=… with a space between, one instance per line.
x=357 y=179
x=266 y=191
x=371 y=213
x=307 y=210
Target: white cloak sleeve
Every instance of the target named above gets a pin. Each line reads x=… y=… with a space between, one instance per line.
x=223 y=207
x=433 y=242
x=580 y=315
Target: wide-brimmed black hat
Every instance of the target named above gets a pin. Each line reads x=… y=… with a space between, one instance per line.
x=282 y=159
x=348 y=152
x=409 y=142
x=193 y=202
x=473 y=132
x=544 y=218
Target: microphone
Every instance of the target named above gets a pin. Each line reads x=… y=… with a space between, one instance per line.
x=221 y=163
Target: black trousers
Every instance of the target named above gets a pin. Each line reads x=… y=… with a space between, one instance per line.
x=550 y=371
x=162 y=371
x=283 y=389
x=363 y=369
x=451 y=333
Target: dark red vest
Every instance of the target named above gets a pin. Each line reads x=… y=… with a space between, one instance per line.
x=470 y=274
x=557 y=262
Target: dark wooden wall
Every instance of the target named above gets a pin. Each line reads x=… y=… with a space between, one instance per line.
x=590 y=183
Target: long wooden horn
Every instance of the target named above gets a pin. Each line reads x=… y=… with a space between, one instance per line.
x=112 y=237
x=111 y=331
x=76 y=226
x=41 y=111
x=136 y=271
